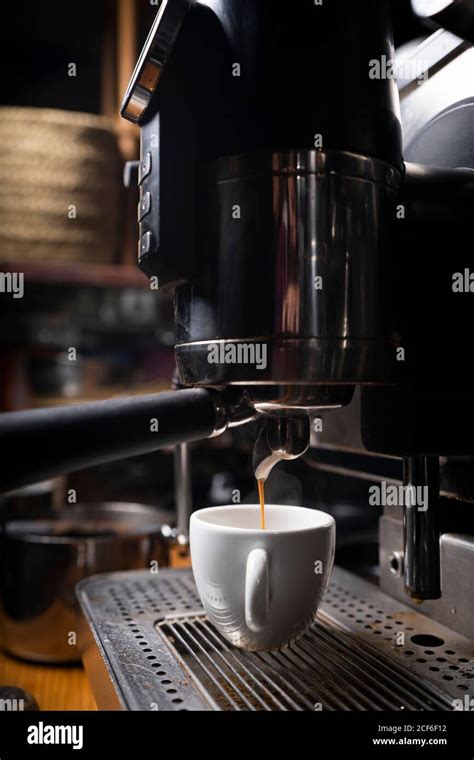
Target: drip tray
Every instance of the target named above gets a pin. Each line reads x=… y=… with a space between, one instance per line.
x=150 y=646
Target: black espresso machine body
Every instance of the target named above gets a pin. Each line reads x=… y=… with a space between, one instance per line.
x=263 y=165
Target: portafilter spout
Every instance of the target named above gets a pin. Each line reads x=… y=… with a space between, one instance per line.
x=281 y=438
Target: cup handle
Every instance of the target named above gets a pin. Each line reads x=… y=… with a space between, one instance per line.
x=256 y=590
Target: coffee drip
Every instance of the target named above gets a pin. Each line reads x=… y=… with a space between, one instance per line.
x=280 y=439
x=261 y=497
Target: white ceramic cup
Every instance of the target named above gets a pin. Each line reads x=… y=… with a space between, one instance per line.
x=261 y=588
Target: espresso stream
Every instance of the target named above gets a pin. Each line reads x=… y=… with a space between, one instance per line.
x=261 y=496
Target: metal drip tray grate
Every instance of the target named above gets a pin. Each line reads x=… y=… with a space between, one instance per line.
x=323 y=670
x=153 y=648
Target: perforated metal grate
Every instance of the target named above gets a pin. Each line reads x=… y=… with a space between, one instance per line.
x=156 y=649
x=426 y=648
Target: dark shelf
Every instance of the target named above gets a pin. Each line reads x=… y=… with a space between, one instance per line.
x=99 y=275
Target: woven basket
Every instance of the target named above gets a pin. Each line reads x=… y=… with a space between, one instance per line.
x=54 y=164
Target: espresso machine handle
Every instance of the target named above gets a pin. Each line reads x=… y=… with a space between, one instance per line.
x=43 y=443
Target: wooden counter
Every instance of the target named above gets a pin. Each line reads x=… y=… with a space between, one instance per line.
x=55 y=687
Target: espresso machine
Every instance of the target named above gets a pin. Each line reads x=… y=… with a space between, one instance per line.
x=311 y=212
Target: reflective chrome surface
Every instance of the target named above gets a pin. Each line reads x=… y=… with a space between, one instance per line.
x=455 y=15
x=447 y=89
x=42 y=560
x=309 y=399
x=281 y=438
x=455 y=608
x=293 y=264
